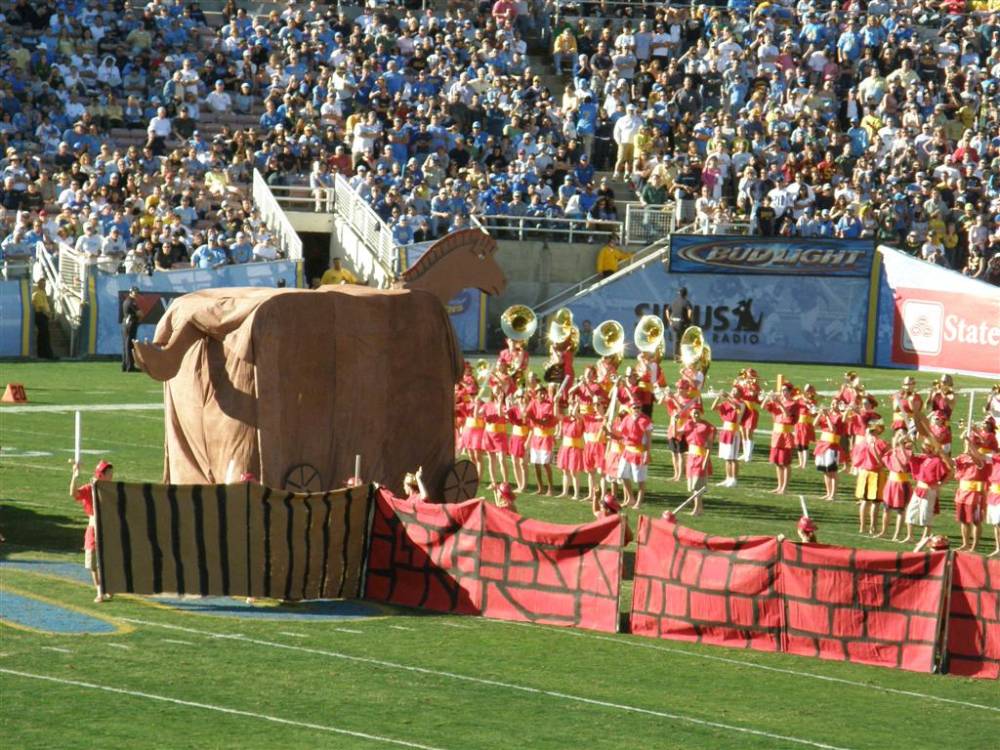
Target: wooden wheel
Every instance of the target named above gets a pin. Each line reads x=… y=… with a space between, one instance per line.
x=303 y=478
x=461 y=482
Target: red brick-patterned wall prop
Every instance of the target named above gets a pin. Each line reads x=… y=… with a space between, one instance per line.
x=474 y=558
x=425 y=555
x=865 y=606
x=695 y=587
x=974 y=617
x=548 y=573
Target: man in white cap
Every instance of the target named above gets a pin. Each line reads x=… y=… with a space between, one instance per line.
x=624 y=133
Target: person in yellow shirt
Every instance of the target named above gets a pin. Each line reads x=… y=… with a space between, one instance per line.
x=336 y=274
x=40 y=305
x=565 y=48
x=610 y=256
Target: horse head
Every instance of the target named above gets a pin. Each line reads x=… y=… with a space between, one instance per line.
x=457 y=261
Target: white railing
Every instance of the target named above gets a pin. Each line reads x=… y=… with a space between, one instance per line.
x=303 y=198
x=372 y=232
x=557 y=229
x=73 y=270
x=273 y=215
x=645 y=224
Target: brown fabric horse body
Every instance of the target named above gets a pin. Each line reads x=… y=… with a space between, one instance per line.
x=290 y=384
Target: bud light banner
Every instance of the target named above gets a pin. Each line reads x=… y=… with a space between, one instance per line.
x=156 y=292
x=936 y=319
x=467 y=310
x=747 y=317
x=795 y=256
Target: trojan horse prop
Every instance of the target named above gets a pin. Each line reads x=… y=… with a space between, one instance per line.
x=290 y=384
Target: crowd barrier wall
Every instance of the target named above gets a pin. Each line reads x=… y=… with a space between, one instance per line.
x=106 y=292
x=16 y=322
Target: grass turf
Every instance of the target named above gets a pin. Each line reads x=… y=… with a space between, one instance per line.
x=444 y=682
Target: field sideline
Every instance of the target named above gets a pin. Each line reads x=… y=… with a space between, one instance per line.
x=163 y=673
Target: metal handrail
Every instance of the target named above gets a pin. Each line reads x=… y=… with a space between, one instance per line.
x=293 y=196
x=369 y=227
x=548 y=225
x=275 y=219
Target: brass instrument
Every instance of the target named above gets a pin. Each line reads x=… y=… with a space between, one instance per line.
x=648 y=336
x=695 y=353
x=482 y=372
x=519 y=322
x=609 y=339
x=563 y=336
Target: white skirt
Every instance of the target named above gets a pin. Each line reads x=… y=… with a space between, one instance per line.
x=993 y=514
x=540 y=457
x=827 y=459
x=631 y=472
x=920 y=510
x=730 y=451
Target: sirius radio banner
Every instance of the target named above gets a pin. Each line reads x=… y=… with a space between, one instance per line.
x=936 y=319
x=157 y=291
x=467 y=310
x=787 y=318
x=794 y=256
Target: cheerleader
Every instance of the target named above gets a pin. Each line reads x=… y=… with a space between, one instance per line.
x=970 y=498
x=494 y=444
x=928 y=470
x=542 y=418
x=750 y=391
x=785 y=410
x=805 y=432
x=829 y=446
x=517 y=417
x=593 y=444
x=570 y=456
x=699 y=435
x=730 y=409
x=898 y=484
x=866 y=457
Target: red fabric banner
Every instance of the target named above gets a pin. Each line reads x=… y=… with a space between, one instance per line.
x=864 y=606
x=974 y=617
x=474 y=558
x=694 y=587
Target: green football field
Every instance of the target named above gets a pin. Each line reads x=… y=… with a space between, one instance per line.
x=169 y=674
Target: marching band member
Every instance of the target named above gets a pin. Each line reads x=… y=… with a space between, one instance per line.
x=607 y=371
x=517 y=416
x=806 y=530
x=650 y=379
x=593 y=443
x=636 y=431
x=699 y=435
x=993 y=501
x=850 y=391
x=898 y=485
x=542 y=418
x=941 y=431
x=970 y=499
x=992 y=407
x=829 y=445
x=785 y=410
x=610 y=507
x=907 y=406
x=749 y=386
x=858 y=416
x=866 y=457
x=570 y=456
x=805 y=433
x=504 y=497
x=928 y=470
x=730 y=409
x=413 y=484
x=612 y=456
x=941 y=397
x=514 y=359
x=472 y=432
x=494 y=442
x=679 y=404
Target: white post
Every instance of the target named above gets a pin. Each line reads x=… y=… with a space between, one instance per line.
x=357 y=468
x=76 y=440
x=802 y=502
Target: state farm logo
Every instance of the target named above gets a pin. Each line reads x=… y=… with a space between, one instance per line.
x=923 y=323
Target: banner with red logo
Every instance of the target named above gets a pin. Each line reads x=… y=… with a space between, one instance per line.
x=936 y=319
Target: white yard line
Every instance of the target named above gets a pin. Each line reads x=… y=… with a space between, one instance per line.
x=220 y=709
x=122 y=646
x=400 y=627
x=498 y=684
x=57 y=649
x=453 y=625
x=348 y=630
x=292 y=635
x=179 y=643
x=60 y=408
x=656 y=646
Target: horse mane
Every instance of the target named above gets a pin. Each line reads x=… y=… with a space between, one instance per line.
x=473 y=239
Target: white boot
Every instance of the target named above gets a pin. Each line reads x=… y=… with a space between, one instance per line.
x=747 y=451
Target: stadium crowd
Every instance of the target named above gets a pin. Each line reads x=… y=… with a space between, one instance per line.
x=131 y=132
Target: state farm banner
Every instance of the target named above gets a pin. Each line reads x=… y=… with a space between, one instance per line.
x=792 y=256
x=933 y=318
x=473 y=558
x=749 y=316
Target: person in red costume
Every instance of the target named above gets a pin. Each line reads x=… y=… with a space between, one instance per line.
x=941 y=431
x=806 y=529
x=570 y=457
x=636 y=430
x=699 y=435
x=971 y=472
x=517 y=442
x=850 y=392
x=866 y=458
x=472 y=433
x=928 y=470
x=542 y=418
x=84 y=494
x=907 y=406
x=611 y=507
x=650 y=380
x=749 y=385
x=413 y=484
x=805 y=432
x=785 y=410
x=515 y=361
x=612 y=457
x=679 y=404
x=607 y=371
x=857 y=418
x=730 y=408
x=899 y=483
x=505 y=498
x=829 y=445
x=593 y=413
x=942 y=397
x=494 y=441
x=993 y=501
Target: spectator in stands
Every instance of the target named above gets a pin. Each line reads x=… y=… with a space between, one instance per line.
x=337 y=274
x=43 y=313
